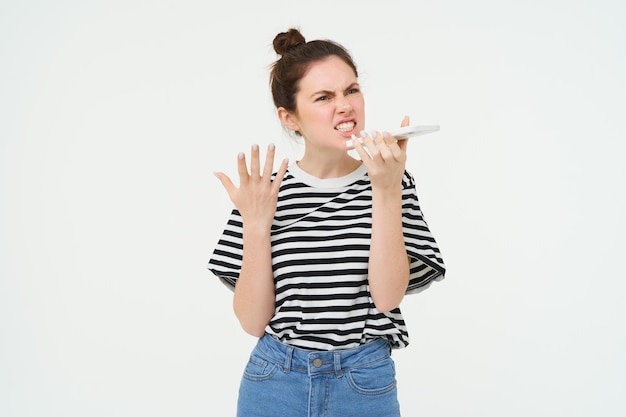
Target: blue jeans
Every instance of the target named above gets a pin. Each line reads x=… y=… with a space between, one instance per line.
x=284 y=381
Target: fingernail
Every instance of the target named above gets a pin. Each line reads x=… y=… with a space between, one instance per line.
x=255 y=147
x=271 y=147
x=286 y=161
x=363 y=133
x=240 y=155
x=373 y=134
x=386 y=134
x=215 y=173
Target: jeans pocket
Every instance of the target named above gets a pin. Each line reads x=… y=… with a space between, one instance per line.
x=374 y=379
x=259 y=369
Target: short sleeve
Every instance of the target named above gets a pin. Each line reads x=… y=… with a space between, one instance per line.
x=426 y=263
x=225 y=261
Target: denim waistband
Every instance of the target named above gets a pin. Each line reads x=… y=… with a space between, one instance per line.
x=292 y=358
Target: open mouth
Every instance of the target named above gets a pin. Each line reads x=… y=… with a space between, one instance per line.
x=345 y=127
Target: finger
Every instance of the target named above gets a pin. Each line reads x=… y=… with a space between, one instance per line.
x=398 y=150
x=369 y=142
x=280 y=174
x=242 y=168
x=382 y=145
x=255 y=164
x=391 y=145
x=376 y=136
x=389 y=140
x=403 y=143
x=269 y=161
x=395 y=146
x=226 y=182
x=357 y=143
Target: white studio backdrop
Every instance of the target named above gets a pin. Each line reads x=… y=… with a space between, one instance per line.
x=113 y=116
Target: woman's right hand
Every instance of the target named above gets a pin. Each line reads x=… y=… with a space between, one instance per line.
x=255 y=199
x=257 y=195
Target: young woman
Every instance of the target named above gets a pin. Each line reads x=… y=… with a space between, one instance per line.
x=320 y=253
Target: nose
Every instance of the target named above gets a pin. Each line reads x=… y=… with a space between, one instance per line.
x=344 y=105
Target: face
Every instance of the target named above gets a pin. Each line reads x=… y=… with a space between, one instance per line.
x=329 y=105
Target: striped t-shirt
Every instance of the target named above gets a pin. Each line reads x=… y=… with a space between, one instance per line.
x=320 y=241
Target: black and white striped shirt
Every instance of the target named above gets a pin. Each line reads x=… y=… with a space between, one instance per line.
x=320 y=249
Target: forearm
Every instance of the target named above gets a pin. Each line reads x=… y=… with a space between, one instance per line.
x=388 y=271
x=254 y=298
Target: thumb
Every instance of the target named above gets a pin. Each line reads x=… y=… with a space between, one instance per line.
x=403 y=142
x=226 y=182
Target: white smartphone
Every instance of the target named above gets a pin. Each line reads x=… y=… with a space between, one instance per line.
x=410 y=131
x=407 y=132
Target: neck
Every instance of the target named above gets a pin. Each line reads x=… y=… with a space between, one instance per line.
x=328 y=166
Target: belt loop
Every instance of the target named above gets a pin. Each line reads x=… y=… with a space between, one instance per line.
x=288 y=356
x=337 y=363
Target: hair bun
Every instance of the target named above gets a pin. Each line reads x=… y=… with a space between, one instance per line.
x=285 y=41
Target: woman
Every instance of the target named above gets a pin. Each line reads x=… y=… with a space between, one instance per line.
x=320 y=253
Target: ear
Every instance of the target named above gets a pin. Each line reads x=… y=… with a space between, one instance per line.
x=288 y=119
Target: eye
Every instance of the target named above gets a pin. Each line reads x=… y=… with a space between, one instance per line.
x=353 y=90
x=322 y=98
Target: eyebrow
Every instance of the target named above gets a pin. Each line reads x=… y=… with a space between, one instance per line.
x=328 y=92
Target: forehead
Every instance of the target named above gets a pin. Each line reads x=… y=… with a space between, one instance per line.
x=330 y=74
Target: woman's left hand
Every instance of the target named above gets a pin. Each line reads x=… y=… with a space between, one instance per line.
x=388 y=266
x=384 y=157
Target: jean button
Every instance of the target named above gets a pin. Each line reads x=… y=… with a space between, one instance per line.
x=317 y=363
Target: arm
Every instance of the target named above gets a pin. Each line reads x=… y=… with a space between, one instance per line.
x=254 y=297
x=388 y=269
x=256 y=200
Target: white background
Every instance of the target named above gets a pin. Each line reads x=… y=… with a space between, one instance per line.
x=113 y=116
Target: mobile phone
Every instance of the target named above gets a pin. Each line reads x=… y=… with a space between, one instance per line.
x=406 y=132
x=410 y=131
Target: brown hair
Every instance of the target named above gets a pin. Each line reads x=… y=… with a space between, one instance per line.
x=297 y=55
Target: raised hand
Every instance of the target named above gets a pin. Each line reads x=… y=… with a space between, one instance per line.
x=257 y=195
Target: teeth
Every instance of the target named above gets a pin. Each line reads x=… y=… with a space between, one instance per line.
x=345 y=127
